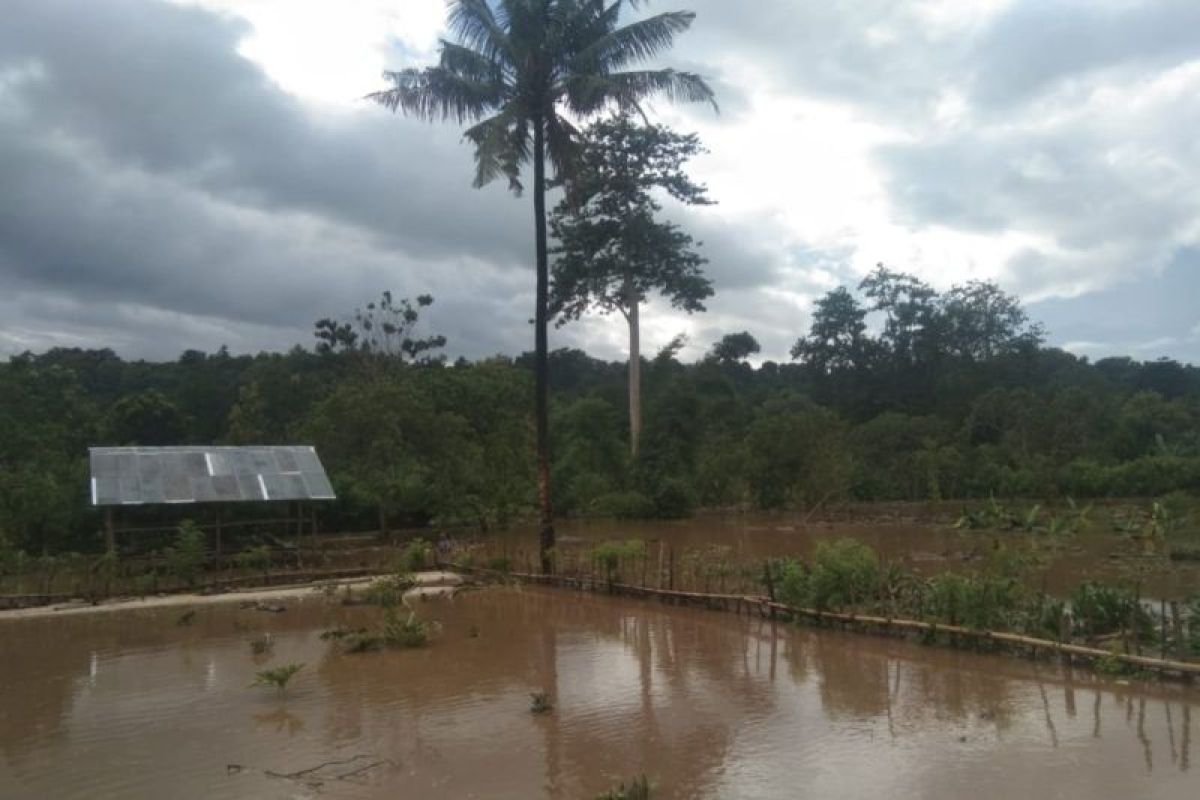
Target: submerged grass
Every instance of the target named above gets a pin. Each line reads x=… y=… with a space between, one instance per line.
x=279 y=677
x=395 y=632
x=638 y=789
x=539 y=703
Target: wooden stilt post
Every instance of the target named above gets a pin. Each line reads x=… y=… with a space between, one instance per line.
x=110 y=533
x=217 y=540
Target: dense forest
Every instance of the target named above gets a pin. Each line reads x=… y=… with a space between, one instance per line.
x=896 y=392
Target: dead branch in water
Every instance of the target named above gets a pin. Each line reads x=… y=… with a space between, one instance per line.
x=309 y=774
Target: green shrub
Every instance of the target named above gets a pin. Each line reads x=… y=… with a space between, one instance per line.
x=1151 y=476
x=845 y=573
x=983 y=603
x=388 y=591
x=624 y=505
x=410 y=632
x=792 y=585
x=1085 y=478
x=279 y=677
x=10 y=557
x=610 y=555
x=415 y=555
x=581 y=492
x=186 y=557
x=1099 y=610
x=254 y=558
x=674 y=499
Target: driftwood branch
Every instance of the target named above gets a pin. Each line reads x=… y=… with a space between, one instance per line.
x=309 y=774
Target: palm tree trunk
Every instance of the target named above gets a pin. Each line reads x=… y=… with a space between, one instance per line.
x=635 y=371
x=541 y=355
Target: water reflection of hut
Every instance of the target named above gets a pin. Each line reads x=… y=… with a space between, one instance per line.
x=145 y=484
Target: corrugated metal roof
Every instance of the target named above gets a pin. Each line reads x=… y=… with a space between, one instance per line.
x=146 y=475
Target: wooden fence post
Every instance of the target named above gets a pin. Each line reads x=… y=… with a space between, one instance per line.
x=110 y=533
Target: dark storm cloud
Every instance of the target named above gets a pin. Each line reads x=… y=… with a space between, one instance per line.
x=164 y=91
x=160 y=181
x=160 y=192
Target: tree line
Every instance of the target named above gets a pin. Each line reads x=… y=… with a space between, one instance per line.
x=896 y=392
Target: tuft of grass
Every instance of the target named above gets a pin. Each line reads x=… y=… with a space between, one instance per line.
x=406 y=633
x=1114 y=667
x=539 y=703
x=415 y=555
x=388 y=592
x=412 y=632
x=612 y=554
x=339 y=633
x=638 y=789
x=362 y=643
x=186 y=618
x=279 y=677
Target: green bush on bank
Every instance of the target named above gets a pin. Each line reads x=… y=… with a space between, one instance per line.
x=846 y=575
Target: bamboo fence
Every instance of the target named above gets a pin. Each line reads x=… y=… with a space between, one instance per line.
x=740 y=603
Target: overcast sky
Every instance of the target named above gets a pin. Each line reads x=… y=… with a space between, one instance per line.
x=199 y=173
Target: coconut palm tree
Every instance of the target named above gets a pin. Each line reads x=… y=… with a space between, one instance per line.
x=522 y=72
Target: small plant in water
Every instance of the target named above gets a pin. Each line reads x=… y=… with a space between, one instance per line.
x=412 y=632
x=277 y=676
x=186 y=618
x=539 y=703
x=388 y=592
x=340 y=633
x=638 y=789
x=362 y=643
x=1114 y=667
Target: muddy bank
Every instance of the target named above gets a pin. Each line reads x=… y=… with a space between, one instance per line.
x=175 y=600
x=427 y=584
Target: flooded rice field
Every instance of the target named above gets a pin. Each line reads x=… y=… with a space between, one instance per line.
x=133 y=704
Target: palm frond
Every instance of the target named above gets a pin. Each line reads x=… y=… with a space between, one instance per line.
x=468 y=63
x=475 y=26
x=563 y=145
x=436 y=92
x=501 y=146
x=588 y=94
x=637 y=41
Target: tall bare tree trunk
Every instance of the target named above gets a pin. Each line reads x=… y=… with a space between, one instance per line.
x=635 y=371
x=541 y=356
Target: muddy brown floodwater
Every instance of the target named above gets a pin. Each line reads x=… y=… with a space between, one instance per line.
x=1062 y=563
x=132 y=704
